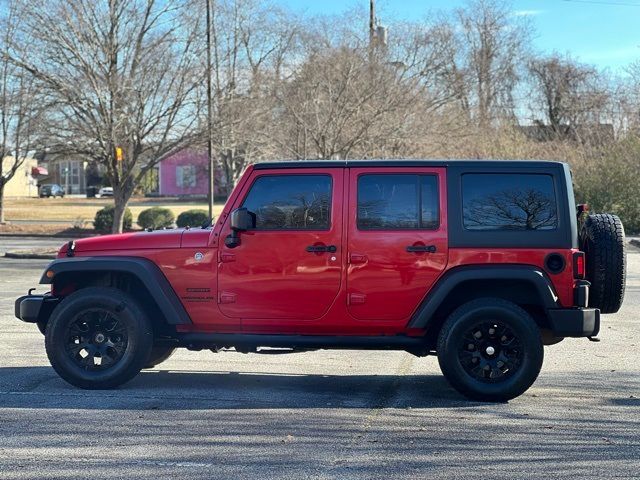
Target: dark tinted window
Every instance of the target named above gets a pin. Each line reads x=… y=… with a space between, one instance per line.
x=290 y=202
x=509 y=202
x=397 y=202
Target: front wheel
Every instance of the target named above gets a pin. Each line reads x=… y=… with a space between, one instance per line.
x=98 y=338
x=490 y=349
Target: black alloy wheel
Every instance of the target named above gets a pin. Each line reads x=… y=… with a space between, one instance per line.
x=96 y=339
x=490 y=349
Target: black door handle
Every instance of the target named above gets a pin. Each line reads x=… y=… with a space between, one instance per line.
x=322 y=248
x=421 y=248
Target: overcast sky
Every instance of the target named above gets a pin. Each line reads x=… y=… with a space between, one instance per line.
x=602 y=32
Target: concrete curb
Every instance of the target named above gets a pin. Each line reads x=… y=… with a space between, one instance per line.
x=635 y=242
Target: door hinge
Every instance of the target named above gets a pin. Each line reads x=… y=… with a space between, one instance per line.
x=357 y=298
x=227 y=297
x=357 y=258
x=226 y=257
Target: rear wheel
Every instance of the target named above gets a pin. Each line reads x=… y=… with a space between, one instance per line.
x=98 y=338
x=159 y=353
x=490 y=350
x=602 y=240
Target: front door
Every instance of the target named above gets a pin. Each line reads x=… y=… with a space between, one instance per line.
x=397 y=240
x=289 y=266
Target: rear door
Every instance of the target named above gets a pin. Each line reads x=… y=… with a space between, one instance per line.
x=290 y=265
x=397 y=240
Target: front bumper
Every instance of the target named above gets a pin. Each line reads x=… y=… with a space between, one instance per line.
x=574 y=322
x=34 y=308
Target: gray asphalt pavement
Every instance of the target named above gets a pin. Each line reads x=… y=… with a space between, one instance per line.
x=11 y=242
x=329 y=414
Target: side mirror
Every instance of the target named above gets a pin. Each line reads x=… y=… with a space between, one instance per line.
x=241 y=221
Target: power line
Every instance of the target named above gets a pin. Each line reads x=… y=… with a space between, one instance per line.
x=598 y=2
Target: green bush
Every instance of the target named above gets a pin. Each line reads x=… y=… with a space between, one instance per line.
x=103 y=221
x=156 y=217
x=192 y=218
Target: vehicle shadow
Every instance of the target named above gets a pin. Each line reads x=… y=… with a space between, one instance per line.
x=171 y=389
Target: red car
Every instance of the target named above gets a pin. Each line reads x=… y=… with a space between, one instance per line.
x=478 y=262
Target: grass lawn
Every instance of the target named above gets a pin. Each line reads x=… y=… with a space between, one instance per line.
x=79 y=210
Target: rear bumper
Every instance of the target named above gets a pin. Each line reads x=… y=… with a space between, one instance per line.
x=33 y=308
x=574 y=322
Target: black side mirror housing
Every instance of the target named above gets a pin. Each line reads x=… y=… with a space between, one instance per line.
x=241 y=221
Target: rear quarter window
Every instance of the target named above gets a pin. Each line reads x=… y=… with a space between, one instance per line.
x=509 y=202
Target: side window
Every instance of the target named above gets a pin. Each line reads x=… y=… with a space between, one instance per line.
x=398 y=202
x=501 y=201
x=291 y=202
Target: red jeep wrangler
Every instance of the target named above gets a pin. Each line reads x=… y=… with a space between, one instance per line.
x=478 y=262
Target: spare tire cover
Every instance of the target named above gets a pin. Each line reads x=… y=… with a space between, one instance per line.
x=602 y=240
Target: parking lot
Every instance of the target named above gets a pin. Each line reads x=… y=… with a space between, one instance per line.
x=326 y=414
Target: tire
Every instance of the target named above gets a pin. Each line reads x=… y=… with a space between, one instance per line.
x=159 y=353
x=98 y=338
x=521 y=354
x=602 y=240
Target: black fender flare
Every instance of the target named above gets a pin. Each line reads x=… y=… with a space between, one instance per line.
x=145 y=270
x=423 y=316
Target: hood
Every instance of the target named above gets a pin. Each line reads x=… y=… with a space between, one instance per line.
x=128 y=241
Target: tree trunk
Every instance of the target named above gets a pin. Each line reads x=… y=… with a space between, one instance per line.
x=121 y=196
x=2 y=202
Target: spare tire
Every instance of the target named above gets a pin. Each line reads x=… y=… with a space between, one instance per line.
x=602 y=240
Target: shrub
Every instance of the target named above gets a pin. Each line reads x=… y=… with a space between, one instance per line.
x=609 y=182
x=103 y=220
x=156 y=217
x=192 y=218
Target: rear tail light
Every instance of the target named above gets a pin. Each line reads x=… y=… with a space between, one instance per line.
x=578 y=265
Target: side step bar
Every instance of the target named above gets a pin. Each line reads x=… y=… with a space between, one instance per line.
x=221 y=340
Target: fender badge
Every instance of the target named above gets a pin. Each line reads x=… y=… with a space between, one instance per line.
x=198 y=256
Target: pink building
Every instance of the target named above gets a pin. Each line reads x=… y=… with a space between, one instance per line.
x=185 y=174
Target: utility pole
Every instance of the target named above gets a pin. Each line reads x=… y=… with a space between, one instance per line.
x=372 y=22
x=211 y=169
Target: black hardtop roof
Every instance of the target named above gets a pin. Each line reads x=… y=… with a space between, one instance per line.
x=407 y=163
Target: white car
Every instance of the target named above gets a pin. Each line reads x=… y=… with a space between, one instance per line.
x=105 y=192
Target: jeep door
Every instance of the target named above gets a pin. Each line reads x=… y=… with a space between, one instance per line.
x=289 y=266
x=396 y=240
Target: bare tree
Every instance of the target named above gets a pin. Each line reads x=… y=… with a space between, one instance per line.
x=569 y=95
x=491 y=41
x=19 y=108
x=118 y=73
x=251 y=45
x=351 y=99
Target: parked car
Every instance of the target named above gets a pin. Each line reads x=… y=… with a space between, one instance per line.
x=105 y=192
x=51 y=190
x=481 y=263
